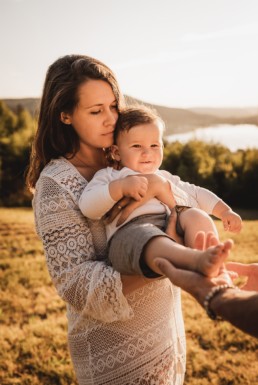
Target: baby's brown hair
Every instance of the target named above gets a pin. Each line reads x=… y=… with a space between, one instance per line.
x=135 y=115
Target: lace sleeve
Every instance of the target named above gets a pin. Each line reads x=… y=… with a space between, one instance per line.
x=88 y=285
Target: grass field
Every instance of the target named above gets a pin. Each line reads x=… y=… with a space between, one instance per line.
x=33 y=347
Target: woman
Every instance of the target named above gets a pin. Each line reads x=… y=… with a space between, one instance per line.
x=121 y=329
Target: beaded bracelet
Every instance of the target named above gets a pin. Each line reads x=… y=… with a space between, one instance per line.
x=212 y=293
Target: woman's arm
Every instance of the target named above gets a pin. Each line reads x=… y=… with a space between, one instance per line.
x=88 y=285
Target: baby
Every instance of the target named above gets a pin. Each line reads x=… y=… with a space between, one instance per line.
x=138 y=148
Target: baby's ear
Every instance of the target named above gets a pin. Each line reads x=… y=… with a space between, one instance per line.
x=115 y=153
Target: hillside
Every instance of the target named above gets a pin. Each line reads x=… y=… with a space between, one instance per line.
x=177 y=120
x=227 y=112
x=30 y=104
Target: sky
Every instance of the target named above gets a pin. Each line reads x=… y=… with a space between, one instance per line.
x=176 y=53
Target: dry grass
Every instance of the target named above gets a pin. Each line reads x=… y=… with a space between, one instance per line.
x=33 y=322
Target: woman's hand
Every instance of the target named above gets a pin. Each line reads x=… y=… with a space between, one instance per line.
x=171 y=228
x=158 y=187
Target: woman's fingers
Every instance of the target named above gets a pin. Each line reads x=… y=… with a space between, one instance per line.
x=199 y=242
x=171 y=228
x=127 y=210
x=117 y=209
x=203 y=241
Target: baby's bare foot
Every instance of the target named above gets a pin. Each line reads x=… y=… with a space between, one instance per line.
x=210 y=261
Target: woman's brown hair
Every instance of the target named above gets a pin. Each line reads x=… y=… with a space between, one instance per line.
x=60 y=94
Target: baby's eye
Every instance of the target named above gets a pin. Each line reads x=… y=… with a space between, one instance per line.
x=136 y=146
x=154 y=145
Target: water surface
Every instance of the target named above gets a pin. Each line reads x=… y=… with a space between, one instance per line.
x=241 y=136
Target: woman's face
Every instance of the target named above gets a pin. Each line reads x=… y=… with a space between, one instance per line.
x=95 y=116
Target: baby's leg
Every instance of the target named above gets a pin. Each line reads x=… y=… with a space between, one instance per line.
x=194 y=220
x=207 y=262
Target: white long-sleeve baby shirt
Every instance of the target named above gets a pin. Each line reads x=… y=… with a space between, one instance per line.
x=96 y=200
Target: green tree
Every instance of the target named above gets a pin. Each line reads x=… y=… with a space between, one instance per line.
x=8 y=120
x=15 y=143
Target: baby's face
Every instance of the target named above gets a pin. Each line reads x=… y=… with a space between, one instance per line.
x=141 y=148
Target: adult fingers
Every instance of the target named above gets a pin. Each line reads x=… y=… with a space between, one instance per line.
x=117 y=208
x=127 y=210
x=176 y=276
x=171 y=228
x=200 y=241
x=239 y=268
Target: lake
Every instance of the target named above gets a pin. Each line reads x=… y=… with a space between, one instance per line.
x=241 y=136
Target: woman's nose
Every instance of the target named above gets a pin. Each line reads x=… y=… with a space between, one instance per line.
x=111 y=117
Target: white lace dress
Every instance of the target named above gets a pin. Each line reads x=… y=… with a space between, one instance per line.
x=113 y=340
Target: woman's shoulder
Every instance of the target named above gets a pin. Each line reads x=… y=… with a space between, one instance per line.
x=59 y=168
x=62 y=173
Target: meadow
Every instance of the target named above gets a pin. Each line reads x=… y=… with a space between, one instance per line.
x=33 y=346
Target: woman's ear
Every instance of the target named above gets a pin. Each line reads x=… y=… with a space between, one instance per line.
x=115 y=153
x=65 y=118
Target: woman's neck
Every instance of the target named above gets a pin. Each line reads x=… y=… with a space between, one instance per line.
x=88 y=161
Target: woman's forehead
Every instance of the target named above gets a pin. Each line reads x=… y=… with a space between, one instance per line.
x=95 y=92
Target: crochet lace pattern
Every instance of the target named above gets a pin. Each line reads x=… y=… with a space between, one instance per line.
x=113 y=339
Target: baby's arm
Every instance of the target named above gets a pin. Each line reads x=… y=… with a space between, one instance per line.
x=102 y=192
x=210 y=203
x=131 y=186
x=162 y=187
x=231 y=220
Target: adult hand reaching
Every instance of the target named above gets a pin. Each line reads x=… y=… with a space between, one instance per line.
x=239 y=307
x=250 y=271
x=195 y=284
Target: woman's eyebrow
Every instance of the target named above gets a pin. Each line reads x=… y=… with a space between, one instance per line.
x=100 y=104
x=95 y=105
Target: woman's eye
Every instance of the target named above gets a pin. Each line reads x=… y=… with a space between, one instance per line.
x=95 y=112
x=114 y=107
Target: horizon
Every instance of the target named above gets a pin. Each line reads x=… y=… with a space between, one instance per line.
x=178 y=55
x=250 y=107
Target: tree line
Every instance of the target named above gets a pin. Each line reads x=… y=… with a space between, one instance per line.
x=231 y=175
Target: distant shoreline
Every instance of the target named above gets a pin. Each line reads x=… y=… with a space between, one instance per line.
x=177 y=120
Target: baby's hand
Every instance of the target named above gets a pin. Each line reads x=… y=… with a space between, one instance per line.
x=231 y=221
x=135 y=186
